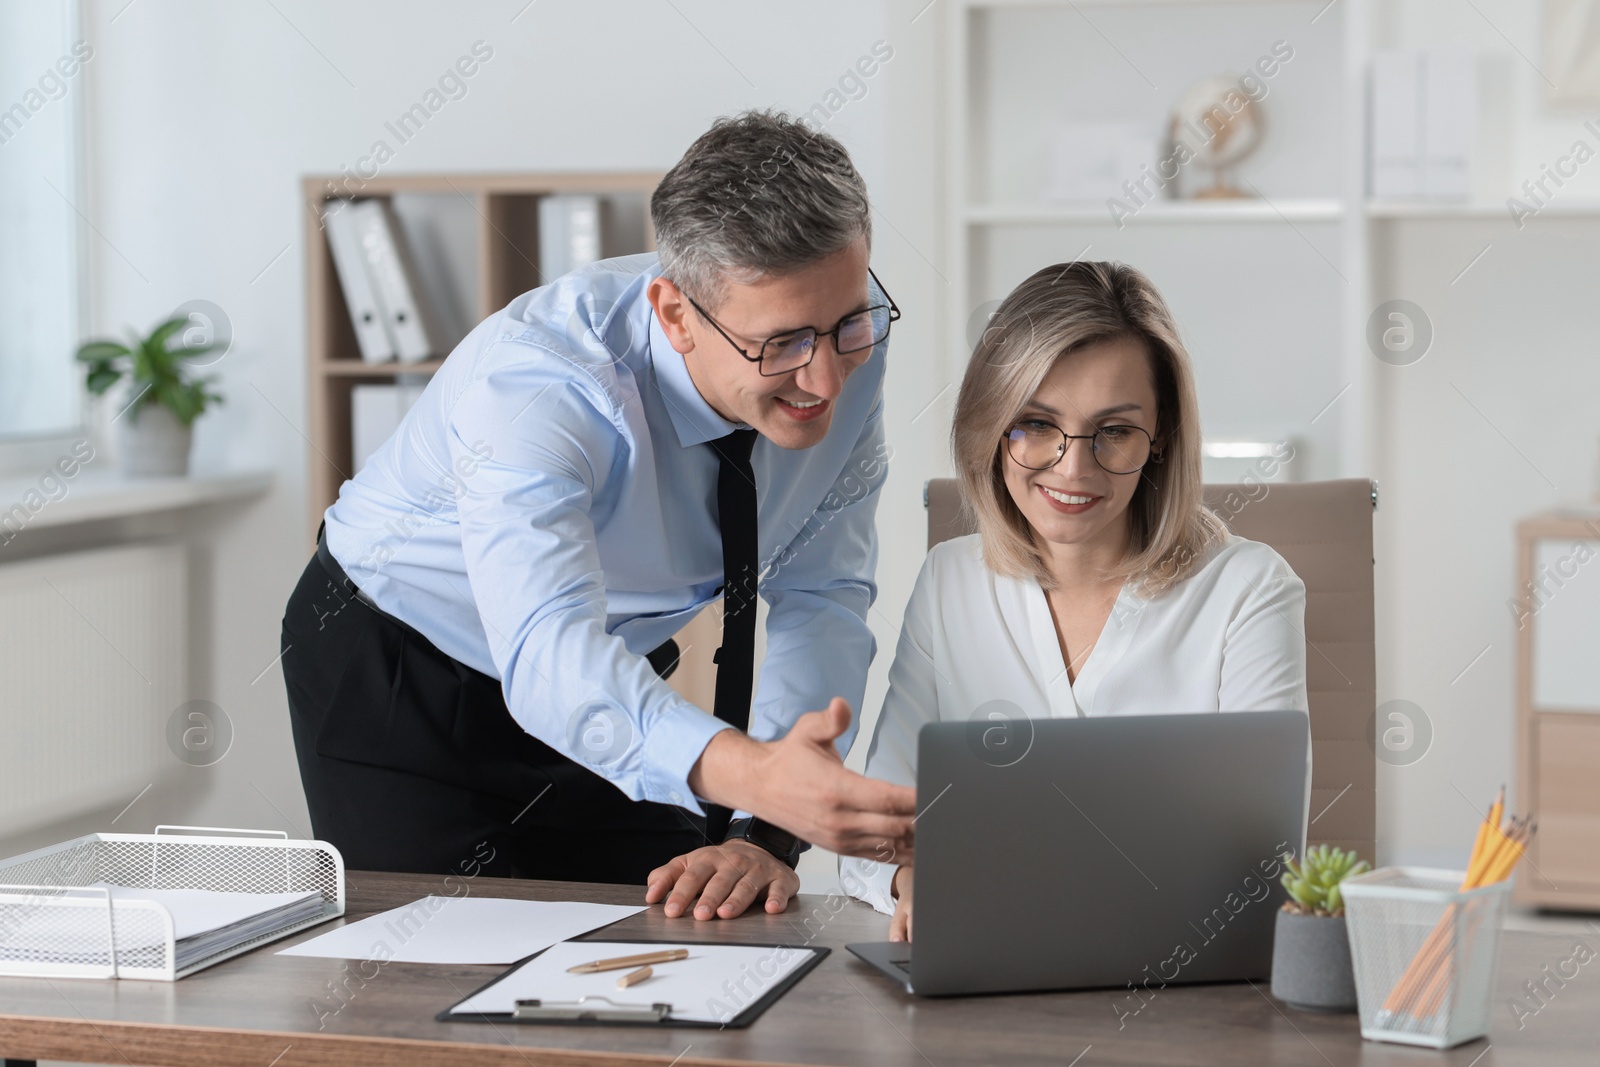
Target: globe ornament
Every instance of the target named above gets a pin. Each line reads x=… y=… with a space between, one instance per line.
x=1214 y=125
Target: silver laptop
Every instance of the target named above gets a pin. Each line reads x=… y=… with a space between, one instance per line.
x=1085 y=853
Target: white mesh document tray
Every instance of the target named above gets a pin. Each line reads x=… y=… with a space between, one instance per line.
x=72 y=910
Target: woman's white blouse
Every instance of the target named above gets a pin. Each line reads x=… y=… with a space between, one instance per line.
x=1230 y=637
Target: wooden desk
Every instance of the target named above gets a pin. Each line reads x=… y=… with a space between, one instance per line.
x=262 y=1009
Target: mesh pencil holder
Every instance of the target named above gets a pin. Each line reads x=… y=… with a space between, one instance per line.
x=1424 y=953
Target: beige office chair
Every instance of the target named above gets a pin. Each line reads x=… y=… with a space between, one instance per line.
x=1324 y=530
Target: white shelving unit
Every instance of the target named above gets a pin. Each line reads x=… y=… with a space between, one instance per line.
x=1408 y=209
x=1271 y=267
x=1014 y=66
x=1169 y=211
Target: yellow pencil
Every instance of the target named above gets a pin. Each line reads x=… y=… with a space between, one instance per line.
x=1482 y=848
x=1477 y=845
x=1508 y=858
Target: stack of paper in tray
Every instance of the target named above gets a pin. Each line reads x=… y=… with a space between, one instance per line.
x=68 y=927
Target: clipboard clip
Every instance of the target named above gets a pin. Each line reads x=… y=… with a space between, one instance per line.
x=589 y=1008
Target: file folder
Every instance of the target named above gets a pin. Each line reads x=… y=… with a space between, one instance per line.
x=350 y=263
x=393 y=272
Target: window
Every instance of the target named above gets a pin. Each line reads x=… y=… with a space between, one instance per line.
x=41 y=88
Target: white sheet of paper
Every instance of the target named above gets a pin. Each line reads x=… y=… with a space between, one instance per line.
x=462 y=930
x=713 y=985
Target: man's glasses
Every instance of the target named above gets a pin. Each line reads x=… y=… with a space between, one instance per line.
x=1039 y=445
x=785 y=352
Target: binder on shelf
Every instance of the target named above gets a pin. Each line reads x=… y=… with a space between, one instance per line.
x=1450 y=109
x=162 y=905
x=1424 y=110
x=350 y=263
x=1395 y=128
x=408 y=314
x=570 y=233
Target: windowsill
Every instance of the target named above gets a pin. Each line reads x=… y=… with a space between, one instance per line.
x=93 y=496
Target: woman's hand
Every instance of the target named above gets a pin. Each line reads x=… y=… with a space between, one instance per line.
x=900 y=888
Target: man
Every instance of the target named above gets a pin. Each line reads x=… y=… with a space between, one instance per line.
x=475 y=656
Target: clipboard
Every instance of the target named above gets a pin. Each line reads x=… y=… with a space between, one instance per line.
x=590 y=1010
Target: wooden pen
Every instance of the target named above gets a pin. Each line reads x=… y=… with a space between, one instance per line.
x=619 y=962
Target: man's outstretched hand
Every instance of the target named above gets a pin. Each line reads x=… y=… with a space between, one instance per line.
x=800 y=783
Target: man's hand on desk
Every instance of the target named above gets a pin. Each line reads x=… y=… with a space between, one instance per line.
x=727 y=878
x=800 y=783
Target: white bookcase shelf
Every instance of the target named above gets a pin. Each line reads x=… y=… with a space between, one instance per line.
x=1407 y=209
x=1303 y=209
x=1161 y=211
x=1093 y=5
x=1274 y=312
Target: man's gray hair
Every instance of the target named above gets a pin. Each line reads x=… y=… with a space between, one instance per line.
x=757 y=194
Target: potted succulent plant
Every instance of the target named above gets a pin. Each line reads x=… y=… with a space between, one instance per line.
x=155 y=429
x=1311 y=951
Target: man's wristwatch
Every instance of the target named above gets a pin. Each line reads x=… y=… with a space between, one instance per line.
x=781 y=843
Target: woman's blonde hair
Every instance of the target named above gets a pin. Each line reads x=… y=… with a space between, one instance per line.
x=1045 y=319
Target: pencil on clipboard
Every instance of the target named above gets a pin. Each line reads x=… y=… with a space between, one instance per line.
x=643 y=959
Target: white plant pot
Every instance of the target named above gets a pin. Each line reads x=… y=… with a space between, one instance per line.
x=152 y=443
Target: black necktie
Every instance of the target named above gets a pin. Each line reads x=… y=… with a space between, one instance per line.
x=736 y=514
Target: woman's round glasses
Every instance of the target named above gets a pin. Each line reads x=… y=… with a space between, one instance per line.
x=1039 y=445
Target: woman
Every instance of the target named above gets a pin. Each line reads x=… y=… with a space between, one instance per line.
x=1098 y=582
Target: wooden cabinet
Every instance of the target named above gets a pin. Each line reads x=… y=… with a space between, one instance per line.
x=1556 y=611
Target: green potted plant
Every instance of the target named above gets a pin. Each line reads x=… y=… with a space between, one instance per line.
x=154 y=431
x=1310 y=950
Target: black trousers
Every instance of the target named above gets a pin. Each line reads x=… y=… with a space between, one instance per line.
x=411 y=761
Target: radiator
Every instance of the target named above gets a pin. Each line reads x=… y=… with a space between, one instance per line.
x=93 y=662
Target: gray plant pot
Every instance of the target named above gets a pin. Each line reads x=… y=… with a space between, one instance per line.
x=1311 y=963
x=152 y=443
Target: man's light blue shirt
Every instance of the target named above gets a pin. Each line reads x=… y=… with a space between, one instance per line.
x=547 y=514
